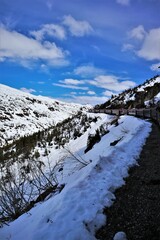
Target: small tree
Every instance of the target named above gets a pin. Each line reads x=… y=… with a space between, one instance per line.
x=36 y=154
x=92 y=140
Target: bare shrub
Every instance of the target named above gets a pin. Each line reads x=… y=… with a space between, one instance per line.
x=18 y=190
x=23 y=186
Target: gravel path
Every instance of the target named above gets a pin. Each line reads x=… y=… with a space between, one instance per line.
x=136 y=210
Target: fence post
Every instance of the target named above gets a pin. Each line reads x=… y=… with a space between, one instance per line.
x=157 y=116
x=136 y=112
x=143 y=113
x=150 y=113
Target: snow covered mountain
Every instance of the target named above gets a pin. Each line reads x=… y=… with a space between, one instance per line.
x=74 y=160
x=23 y=113
x=146 y=94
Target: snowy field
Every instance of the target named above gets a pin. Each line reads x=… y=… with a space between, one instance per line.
x=77 y=211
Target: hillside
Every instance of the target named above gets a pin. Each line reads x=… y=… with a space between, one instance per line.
x=23 y=114
x=146 y=94
x=77 y=211
x=61 y=166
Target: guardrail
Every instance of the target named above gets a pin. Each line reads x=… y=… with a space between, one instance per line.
x=151 y=113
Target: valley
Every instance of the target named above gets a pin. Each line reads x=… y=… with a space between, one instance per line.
x=58 y=160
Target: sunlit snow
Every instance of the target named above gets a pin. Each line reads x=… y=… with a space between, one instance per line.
x=77 y=211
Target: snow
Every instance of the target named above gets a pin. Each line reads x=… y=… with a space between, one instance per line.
x=154 y=100
x=157 y=97
x=77 y=211
x=128 y=97
x=120 y=236
x=148 y=84
x=23 y=114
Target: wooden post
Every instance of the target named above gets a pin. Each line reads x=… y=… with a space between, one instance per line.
x=150 y=113
x=135 y=112
x=143 y=113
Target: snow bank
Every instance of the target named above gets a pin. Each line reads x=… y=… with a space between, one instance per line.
x=120 y=236
x=77 y=212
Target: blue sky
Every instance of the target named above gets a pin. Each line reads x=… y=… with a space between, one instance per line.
x=78 y=50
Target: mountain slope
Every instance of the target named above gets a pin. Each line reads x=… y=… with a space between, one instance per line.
x=23 y=114
x=77 y=211
x=89 y=178
x=146 y=94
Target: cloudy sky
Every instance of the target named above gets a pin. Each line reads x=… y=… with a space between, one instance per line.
x=78 y=50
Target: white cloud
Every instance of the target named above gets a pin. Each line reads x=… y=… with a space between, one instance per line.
x=77 y=28
x=30 y=90
x=137 y=33
x=127 y=47
x=155 y=67
x=23 y=62
x=88 y=71
x=111 y=82
x=108 y=93
x=73 y=93
x=41 y=82
x=71 y=81
x=44 y=68
x=10 y=21
x=91 y=92
x=96 y=48
x=151 y=46
x=2 y=59
x=49 y=5
x=17 y=47
x=123 y=2
x=92 y=100
x=69 y=86
x=52 y=30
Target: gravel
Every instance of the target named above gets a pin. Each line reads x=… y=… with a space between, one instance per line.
x=136 y=210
